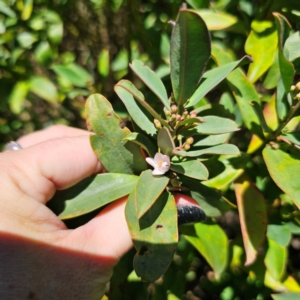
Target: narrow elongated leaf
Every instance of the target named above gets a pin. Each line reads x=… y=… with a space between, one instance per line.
x=210 y=200
x=142 y=141
x=211 y=140
x=293 y=137
x=291 y=47
x=153 y=82
x=253 y=216
x=286 y=68
x=217 y=20
x=128 y=86
x=44 y=88
x=279 y=237
x=17 y=96
x=91 y=193
x=216 y=125
x=155 y=236
x=280 y=234
x=261 y=46
x=219 y=149
x=261 y=116
x=135 y=111
x=165 y=141
x=284 y=170
x=285 y=296
x=276 y=259
x=74 y=73
x=212 y=125
x=211 y=241
x=116 y=154
x=273 y=74
x=283 y=100
x=188 y=60
x=243 y=92
x=234 y=167
x=191 y=168
x=147 y=190
x=213 y=77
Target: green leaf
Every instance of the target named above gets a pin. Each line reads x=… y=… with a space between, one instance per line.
x=188 y=60
x=243 y=91
x=291 y=47
x=116 y=154
x=27 y=9
x=133 y=109
x=17 y=96
x=261 y=116
x=44 y=88
x=284 y=169
x=280 y=234
x=283 y=100
x=103 y=63
x=211 y=140
x=213 y=77
x=165 y=142
x=217 y=20
x=285 y=296
x=234 y=167
x=128 y=86
x=211 y=241
x=293 y=137
x=5 y=9
x=153 y=82
x=273 y=74
x=286 y=69
x=191 y=168
x=216 y=125
x=142 y=141
x=279 y=237
x=253 y=216
x=74 y=73
x=210 y=200
x=91 y=193
x=26 y=39
x=261 y=46
x=147 y=190
x=228 y=149
x=155 y=236
x=276 y=260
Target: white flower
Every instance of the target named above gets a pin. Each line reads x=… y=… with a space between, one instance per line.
x=160 y=163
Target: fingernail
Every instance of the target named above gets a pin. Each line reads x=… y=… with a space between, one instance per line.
x=190 y=214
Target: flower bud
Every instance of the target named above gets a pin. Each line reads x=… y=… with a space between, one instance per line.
x=193 y=114
x=186 y=147
x=167 y=112
x=190 y=140
x=157 y=124
x=174 y=108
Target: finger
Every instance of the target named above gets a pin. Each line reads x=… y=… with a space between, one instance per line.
x=52 y=132
x=109 y=229
x=56 y=164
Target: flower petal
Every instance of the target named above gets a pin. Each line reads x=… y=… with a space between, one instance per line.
x=157 y=172
x=151 y=161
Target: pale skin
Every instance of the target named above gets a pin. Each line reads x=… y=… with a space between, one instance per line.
x=40 y=258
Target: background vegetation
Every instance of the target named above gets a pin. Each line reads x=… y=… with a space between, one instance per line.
x=53 y=54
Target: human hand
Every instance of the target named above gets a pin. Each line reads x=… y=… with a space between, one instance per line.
x=40 y=258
